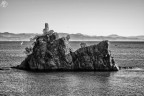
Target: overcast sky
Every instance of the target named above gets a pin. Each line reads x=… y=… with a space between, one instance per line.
x=90 y=17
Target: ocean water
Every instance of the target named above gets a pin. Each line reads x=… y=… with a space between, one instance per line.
x=126 y=82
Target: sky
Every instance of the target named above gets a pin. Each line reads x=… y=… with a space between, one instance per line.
x=89 y=17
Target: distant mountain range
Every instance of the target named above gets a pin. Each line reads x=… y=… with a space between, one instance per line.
x=6 y=36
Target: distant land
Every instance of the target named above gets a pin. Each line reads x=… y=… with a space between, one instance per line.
x=6 y=36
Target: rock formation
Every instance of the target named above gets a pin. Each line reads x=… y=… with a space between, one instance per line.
x=53 y=53
x=46 y=29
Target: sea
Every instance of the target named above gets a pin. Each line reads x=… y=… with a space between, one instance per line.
x=125 y=82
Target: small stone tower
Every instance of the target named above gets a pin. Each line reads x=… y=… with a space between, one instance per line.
x=46 y=29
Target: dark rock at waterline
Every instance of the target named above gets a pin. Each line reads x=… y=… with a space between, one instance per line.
x=52 y=53
x=126 y=67
x=48 y=53
x=94 y=57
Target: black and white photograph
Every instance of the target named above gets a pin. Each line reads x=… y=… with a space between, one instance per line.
x=71 y=47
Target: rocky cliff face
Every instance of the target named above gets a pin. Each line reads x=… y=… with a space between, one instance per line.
x=94 y=57
x=52 y=53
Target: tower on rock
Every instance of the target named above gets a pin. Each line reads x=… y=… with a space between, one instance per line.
x=46 y=29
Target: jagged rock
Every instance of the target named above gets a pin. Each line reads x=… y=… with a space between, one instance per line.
x=52 y=53
x=57 y=55
x=49 y=53
x=94 y=57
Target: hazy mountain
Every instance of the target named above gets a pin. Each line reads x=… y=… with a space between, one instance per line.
x=6 y=36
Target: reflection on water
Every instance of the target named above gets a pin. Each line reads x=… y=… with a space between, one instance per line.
x=124 y=82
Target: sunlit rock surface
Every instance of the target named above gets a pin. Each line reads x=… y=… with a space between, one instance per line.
x=50 y=52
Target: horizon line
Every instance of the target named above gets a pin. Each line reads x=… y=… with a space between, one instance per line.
x=79 y=33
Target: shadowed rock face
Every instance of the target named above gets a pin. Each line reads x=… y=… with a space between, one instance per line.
x=53 y=53
x=94 y=57
x=49 y=52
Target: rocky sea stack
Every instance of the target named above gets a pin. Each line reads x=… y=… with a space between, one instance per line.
x=51 y=53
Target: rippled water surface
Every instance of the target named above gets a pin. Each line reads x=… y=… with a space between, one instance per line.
x=128 y=82
x=122 y=83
